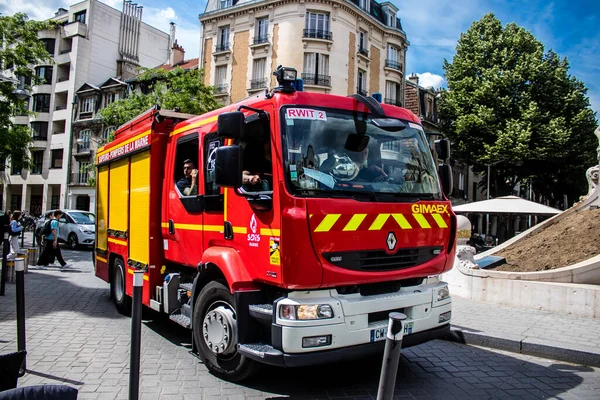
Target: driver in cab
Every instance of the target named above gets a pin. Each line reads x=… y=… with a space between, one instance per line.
x=354 y=160
x=257 y=175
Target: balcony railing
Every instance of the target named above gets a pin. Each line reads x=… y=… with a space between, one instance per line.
x=431 y=117
x=318 y=80
x=363 y=51
x=361 y=91
x=393 y=64
x=82 y=149
x=221 y=89
x=61 y=107
x=80 y=178
x=318 y=34
x=222 y=47
x=393 y=102
x=65 y=51
x=39 y=137
x=261 y=39
x=86 y=115
x=258 y=83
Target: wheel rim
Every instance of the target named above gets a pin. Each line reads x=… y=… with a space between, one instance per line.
x=73 y=242
x=119 y=284
x=219 y=329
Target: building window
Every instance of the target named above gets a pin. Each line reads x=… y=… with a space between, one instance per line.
x=15 y=201
x=37 y=158
x=364 y=4
x=39 y=130
x=221 y=79
x=82 y=177
x=15 y=166
x=262 y=31
x=316 y=69
x=80 y=16
x=83 y=143
x=49 y=44
x=362 y=43
x=225 y=3
x=57 y=159
x=391 y=19
x=87 y=108
x=110 y=98
x=54 y=202
x=223 y=39
x=41 y=103
x=392 y=93
x=44 y=74
x=362 y=82
x=258 y=74
x=317 y=26
x=107 y=132
x=392 y=60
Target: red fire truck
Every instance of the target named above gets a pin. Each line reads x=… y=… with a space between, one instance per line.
x=282 y=229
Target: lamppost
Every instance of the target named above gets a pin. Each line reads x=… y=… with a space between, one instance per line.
x=487 y=194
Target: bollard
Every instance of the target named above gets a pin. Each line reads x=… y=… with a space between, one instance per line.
x=391 y=356
x=5 y=249
x=22 y=238
x=20 y=271
x=136 y=335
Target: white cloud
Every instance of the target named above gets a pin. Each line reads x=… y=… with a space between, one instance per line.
x=427 y=79
x=186 y=33
x=36 y=10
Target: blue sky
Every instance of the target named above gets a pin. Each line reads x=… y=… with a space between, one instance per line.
x=570 y=28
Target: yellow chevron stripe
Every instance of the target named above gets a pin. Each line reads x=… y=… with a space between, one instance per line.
x=270 y=232
x=195 y=125
x=401 y=220
x=327 y=222
x=440 y=221
x=379 y=221
x=354 y=222
x=115 y=241
x=422 y=221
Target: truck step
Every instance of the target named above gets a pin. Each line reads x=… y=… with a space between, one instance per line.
x=186 y=286
x=181 y=320
x=261 y=311
x=259 y=350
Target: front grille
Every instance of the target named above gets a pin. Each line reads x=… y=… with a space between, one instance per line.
x=379 y=260
x=383 y=315
x=372 y=289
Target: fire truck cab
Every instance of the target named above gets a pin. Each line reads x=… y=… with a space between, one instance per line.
x=282 y=229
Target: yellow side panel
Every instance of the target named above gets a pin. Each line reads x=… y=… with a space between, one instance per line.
x=139 y=231
x=119 y=195
x=102 y=207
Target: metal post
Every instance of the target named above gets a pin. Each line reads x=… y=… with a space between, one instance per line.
x=5 y=249
x=391 y=356
x=22 y=238
x=20 y=272
x=487 y=216
x=136 y=335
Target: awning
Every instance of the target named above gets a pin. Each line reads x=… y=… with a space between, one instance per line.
x=506 y=205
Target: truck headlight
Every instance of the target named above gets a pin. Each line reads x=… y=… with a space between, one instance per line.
x=305 y=312
x=443 y=293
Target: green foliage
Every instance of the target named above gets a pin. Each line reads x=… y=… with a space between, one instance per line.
x=508 y=100
x=169 y=89
x=19 y=50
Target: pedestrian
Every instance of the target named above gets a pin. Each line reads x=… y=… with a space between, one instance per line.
x=14 y=229
x=51 y=247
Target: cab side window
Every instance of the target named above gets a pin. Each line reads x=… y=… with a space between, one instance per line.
x=186 y=165
x=213 y=197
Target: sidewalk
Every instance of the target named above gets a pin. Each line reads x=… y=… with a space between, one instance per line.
x=527 y=331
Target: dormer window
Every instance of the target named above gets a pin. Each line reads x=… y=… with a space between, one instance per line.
x=364 y=4
x=87 y=108
x=225 y=3
x=110 y=98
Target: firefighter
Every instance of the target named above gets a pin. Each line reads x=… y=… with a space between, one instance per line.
x=188 y=184
x=258 y=169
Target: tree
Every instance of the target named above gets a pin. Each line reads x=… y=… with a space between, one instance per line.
x=169 y=89
x=510 y=103
x=20 y=49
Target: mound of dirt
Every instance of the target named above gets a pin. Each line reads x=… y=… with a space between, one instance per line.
x=576 y=238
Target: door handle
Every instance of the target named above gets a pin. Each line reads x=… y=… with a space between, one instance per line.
x=171 y=227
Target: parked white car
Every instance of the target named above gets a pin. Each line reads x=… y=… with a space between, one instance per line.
x=75 y=228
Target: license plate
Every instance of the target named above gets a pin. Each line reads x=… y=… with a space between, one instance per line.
x=379 y=334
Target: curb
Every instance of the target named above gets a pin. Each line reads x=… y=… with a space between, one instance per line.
x=568 y=352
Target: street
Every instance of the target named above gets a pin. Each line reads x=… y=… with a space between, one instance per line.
x=76 y=337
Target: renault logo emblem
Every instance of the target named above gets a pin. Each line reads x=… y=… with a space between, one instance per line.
x=391 y=241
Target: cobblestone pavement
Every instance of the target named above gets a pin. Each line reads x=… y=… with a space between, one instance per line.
x=76 y=337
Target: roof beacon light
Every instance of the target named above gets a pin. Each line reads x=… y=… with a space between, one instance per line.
x=286 y=77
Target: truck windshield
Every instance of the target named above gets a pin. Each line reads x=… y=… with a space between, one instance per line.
x=318 y=161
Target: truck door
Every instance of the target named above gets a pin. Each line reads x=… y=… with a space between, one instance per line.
x=213 y=217
x=182 y=223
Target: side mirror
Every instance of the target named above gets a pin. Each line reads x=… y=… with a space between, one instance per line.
x=228 y=166
x=231 y=125
x=445 y=172
x=442 y=148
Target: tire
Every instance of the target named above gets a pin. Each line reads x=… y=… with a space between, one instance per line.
x=72 y=241
x=117 y=288
x=214 y=306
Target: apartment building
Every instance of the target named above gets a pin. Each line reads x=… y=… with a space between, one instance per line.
x=92 y=43
x=338 y=46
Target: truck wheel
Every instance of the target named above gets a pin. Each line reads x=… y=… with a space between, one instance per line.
x=117 y=287
x=215 y=334
x=72 y=240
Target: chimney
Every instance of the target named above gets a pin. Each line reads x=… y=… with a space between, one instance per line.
x=177 y=54
x=414 y=78
x=171 y=40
